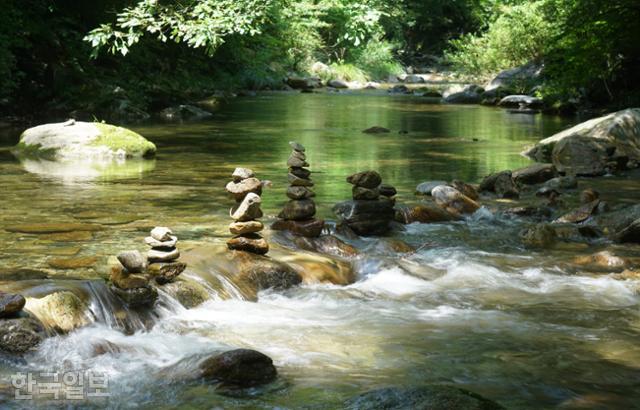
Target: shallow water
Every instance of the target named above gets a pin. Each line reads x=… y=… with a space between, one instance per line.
x=470 y=308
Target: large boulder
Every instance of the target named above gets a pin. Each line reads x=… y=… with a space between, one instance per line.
x=534 y=174
x=75 y=140
x=240 y=367
x=420 y=398
x=61 y=311
x=366 y=217
x=469 y=94
x=589 y=147
x=516 y=78
x=188 y=292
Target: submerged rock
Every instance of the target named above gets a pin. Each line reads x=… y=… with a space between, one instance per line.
x=539 y=236
x=75 y=140
x=515 y=101
x=190 y=294
x=251 y=242
x=567 y=182
x=327 y=244
x=309 y=228
x=20 y=335
x=72 y=263
x=420 y=398
x=604 y=261
x=240 y=367
x=49 y=228
x=587 y=148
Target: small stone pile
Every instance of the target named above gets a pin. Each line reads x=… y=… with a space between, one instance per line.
x=371 y=210
x=246 y=190
x=131 y=280
x=297 y=214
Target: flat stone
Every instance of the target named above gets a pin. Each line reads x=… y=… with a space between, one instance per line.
x=581 y=214
x=311 y=228
x=300 y=192
x=10 y=304
x=239 y=228
x=240 y=189
x=359 y=192
x=296 y=162
x=425 y=188
x=161 y=233
x=133 y=261
x=240 y=367
x=240 y=174
x=164 y=273
x=298 y=210
x=300 y=155
x=144 y=296
x=72 y=263
x=376 y=130
x=154 y=243
x=387 y=190
x=297 y=181
x=248 y=209
x=365 y=179
x=300 y=172
x=53 y=228
x=75 y=236
x=297 y=146
x=253 y=243
x=155 y=255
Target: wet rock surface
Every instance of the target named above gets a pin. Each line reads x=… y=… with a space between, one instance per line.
x=20 y=335
x=240 y=367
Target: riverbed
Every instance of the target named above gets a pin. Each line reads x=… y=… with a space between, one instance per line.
x=471 y=307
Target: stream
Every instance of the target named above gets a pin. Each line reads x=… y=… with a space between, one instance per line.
x=471 y=307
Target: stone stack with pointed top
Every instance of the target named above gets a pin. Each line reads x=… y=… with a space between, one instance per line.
x=163 y=255
x=371 y=210
x=297 y=216
x=246 y=190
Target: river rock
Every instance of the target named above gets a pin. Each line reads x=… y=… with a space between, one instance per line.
x=588 y=196
x=376 y=130
x=534 y=174
x=249 y=243
x=76 y=140
x=72 y=263
x=10 y=304
x=184 y=112
x=300 y=192
x=539 y=236
x=512 y=78
x=300 y=172
x=434 y=397
x=125 y=280
x=359 y=192
x=296 y=146
x=136 y=297
x=240 y=174
x=338 y=84
x=161 y=234
x=240 y=189
x=603 y=261
x=581 y=214
x=466 y=189
x=299 y=154
x=62 y=311
x=366 y=217
x=501 y=183
x=519 y=101
x=133 y=261
x=160 y=255
x=20 y=335
x=423 y=213
x=154 y=243
x=297 y=181
x=164 y=273
x=327 y=244
x=425 y=188
x=248 y=209
x=298 y=210
x=304 y=83
x=587 y=148
x=399 y=89
x=366 y=179
x=616 y=222
x=240 y=228
x=387 y=190
x=190 y=293
x=453 y=201
x=469 y=94
x=567 y=182
x=294 y=162
x=240 y=367
x=308 y=228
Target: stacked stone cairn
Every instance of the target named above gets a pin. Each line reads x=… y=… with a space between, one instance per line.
x=371 y=210
x=131 y=280
x=246 y=190
x=297 y=216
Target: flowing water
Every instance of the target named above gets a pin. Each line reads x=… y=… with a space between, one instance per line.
x=471 y=307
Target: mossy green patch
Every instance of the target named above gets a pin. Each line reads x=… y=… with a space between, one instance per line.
x=33 y=151
x=134 y=144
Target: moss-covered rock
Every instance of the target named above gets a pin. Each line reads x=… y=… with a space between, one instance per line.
x=83 y=141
